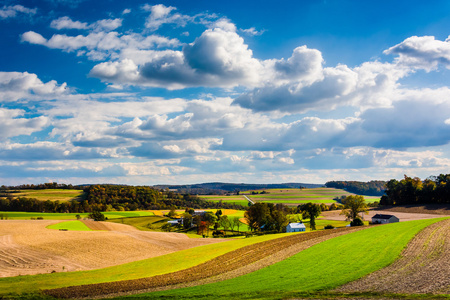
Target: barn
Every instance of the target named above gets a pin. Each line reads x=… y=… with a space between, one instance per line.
x=383 y=219
x=295 y=227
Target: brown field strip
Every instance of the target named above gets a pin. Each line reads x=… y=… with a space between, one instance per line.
x=423 y=267
x=215 y=268
x=94 y=225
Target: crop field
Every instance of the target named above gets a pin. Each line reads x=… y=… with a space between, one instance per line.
x=168 y=263
x=70 y=225
x=290 y=196
x=222 y=264
x=143 y=223
x=13 y=215
x=322 y=267
x=233 y=199
x=62 y=195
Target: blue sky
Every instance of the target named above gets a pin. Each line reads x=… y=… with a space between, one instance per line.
x=143 y=92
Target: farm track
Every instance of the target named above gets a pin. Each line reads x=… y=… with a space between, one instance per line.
x=424 y=266
x=95 y=225
x=229 y=265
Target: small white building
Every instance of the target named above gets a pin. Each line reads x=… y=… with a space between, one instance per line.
x=295 y=227
x=384 y=219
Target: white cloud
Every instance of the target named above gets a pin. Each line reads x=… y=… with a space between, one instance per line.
x=12 y=11
x=14 y=123
x=216 y=58
x=161 y=14
x=67 y=23
x=16 y=85
x=424 y=52
x=101 y=25
x=252 y=31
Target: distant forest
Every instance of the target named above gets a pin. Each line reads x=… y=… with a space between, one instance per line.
x=371 y=188
x=109 y=198
x=434 y=189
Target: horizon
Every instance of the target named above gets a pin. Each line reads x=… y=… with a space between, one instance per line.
x=143 y=92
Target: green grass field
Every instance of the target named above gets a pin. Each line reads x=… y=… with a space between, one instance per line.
x=70 y=225
x=13 y=215
x=147 y=223
x=51 y=194
x=319 y=268
x=145 y=268
x=288 y=196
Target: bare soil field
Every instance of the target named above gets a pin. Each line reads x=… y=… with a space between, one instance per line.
x=435 y=209
x=406 y=215
x=424 y=266
x=28 y=247
x=229 y=265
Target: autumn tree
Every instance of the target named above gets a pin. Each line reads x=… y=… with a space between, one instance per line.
x=353 y=206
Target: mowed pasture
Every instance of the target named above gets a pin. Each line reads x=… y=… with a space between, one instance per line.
x=61 y=195
x=287 y=196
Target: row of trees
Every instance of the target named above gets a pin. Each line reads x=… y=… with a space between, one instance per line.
x=371 y=188
x=434 y=189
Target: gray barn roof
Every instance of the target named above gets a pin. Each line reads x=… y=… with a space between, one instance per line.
x=381 y=216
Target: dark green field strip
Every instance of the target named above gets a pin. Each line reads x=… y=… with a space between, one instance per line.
x=221 y=264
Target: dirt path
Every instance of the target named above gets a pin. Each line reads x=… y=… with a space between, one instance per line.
x=28 y=247
x=424 y=266
x=229 y=265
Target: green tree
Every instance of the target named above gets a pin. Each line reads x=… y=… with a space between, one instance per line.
x=96 y=216
x=310 y=211
x=257 y=215
x=353 y=206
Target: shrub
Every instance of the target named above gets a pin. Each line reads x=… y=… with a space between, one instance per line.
x=356 y=222
x=329 y=226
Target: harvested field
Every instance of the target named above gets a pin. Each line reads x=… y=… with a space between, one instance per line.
x=424 y=267
x=229 y=265
x=403 y=216
x=435 y=209
x=41 y=250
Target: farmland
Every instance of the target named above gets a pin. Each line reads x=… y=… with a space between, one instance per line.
x=320 y=267
x=288 y=196
x=62 y=195
x=13 y=215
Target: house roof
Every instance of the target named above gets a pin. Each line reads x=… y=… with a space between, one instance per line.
x=297 y=225
x=381 y=216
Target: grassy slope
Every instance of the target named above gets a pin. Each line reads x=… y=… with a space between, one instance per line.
x=321 y=267
x=70 y=225
x=145 y=268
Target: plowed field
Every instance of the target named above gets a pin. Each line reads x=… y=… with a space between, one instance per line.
x=28 y=247
x=228 y=262
x=424 y=266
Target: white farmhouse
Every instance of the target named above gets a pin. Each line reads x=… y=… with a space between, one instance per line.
x=295 y=227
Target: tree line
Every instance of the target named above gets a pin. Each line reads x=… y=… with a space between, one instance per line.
x=434 y=189
x=112 y=198
x=371 y=188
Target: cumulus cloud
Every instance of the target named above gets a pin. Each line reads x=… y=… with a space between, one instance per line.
x=17 y=85
x=161 y=14
x=13 y=10
x=14 y=123
x=216 y=58
x=424 y=52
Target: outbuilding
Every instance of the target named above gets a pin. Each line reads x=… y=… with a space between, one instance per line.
x=384 y=219
x=295 y=227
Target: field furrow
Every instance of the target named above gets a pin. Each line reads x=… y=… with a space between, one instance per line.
x=228 y=263
x=424 y=266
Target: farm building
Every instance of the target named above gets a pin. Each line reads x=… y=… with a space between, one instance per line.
x=295 y=227
x=382 y=219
